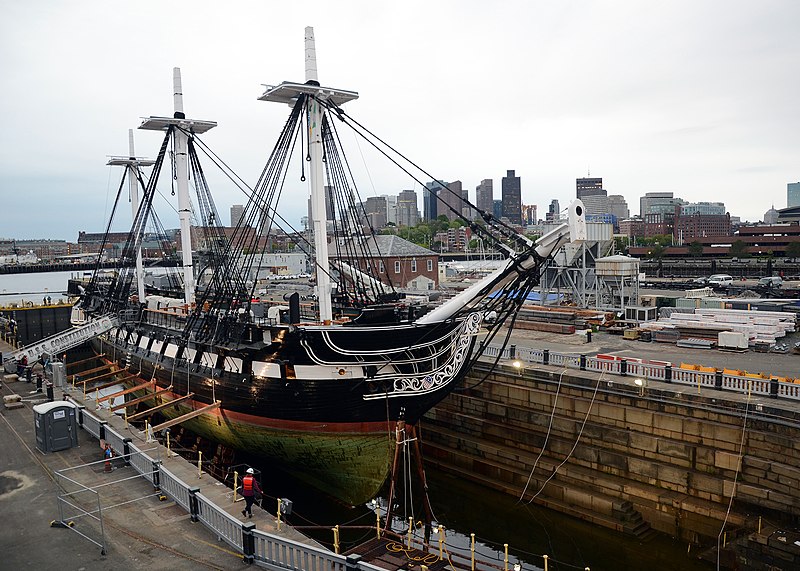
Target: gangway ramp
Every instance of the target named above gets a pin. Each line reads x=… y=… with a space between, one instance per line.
x=67 y=339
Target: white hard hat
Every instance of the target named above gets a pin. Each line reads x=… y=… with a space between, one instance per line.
x=250 y=471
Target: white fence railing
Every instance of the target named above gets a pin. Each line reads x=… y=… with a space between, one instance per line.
x=720 y=380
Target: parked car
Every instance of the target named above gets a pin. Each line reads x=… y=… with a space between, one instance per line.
x=771 y=282
x=720 y=280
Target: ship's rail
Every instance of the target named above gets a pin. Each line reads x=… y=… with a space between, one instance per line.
x=265 y=549
x=707 y=378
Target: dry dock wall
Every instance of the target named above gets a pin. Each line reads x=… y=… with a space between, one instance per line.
x=614 y=452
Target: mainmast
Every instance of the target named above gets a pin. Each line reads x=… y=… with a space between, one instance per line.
x=183 y=128
x=288 y=92
x=132 y=164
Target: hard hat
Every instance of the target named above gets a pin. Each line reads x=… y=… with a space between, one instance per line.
x=250 y=471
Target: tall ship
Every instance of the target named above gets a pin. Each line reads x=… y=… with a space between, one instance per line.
x=316 y=387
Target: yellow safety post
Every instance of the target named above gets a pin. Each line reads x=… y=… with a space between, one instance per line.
x=199 y=463
x=84 y=391
x=505 y=557
x=441 y=540
x=146 y=430
x=336 y=539
x=410 y=530
x=759 y=525
x=378 y=520
x=472 y=549
x=725 y=539
x=169 y=455
x=545 y=557
x=235 y=479
x=126 y=423
x=278 y=527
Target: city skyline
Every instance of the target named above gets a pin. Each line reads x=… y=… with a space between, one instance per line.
x=694 y=98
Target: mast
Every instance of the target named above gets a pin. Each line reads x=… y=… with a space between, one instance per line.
x=319 y=218
x=132 y=164
x=183 y=127
x=288 y=92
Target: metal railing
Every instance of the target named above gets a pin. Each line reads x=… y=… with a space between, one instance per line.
x=265 y=549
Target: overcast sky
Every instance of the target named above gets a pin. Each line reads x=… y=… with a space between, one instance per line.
x=695 y=97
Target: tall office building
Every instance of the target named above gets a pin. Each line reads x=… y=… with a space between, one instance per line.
x=451 y=200
x=529 y=214
x=658 y=203
x=705 y=208
x=553 y=211
x=618 y=206
x=237 y=211
x=589 y=187
x=484 y=195
x=375 y=209
x=793 y=194
x=512 y=197
x=430 y=199
x=497 y=209
x=407 y=211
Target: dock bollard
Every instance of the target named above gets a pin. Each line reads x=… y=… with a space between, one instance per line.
x=545 y=557
x=278 y=524
x=505 y=556
x=235 y=480
x=49 y=391
x=472 y=547
x=410 y=530
x=199 y=464
x=441 y=541
x=336 y=539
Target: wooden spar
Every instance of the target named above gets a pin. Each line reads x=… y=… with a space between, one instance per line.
x=136 y=401
x=399 y=432
x=185 y=417
x=89 y=371
x=82 y=361
x=423 y=480
x=112 y=383
x=98 y=377
x=156 y=408
x=126 y=391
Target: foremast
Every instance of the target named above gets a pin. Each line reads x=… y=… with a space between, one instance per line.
x=182 y=128
x=314 y=95
x=133 y=164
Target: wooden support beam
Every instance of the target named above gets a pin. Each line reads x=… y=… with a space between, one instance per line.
x=148 y=384
x=82 y=361
x=139 y=400
x=185 y=417
x=90 y=371
x=99 y=377
x=108 y=384
x=157 y=408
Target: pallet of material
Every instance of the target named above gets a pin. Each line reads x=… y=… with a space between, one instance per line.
x=543 y=326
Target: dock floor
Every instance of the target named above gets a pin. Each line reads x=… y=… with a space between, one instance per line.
x=141 y=531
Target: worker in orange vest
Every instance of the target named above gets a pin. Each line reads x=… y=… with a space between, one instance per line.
x=250 y=488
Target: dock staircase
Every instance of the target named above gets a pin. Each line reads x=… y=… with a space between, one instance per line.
x=632 y=521
x=67 y=339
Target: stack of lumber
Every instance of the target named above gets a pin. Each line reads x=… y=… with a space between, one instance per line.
x=757 y=326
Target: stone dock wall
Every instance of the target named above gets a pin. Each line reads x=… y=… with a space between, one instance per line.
x=660 y=456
